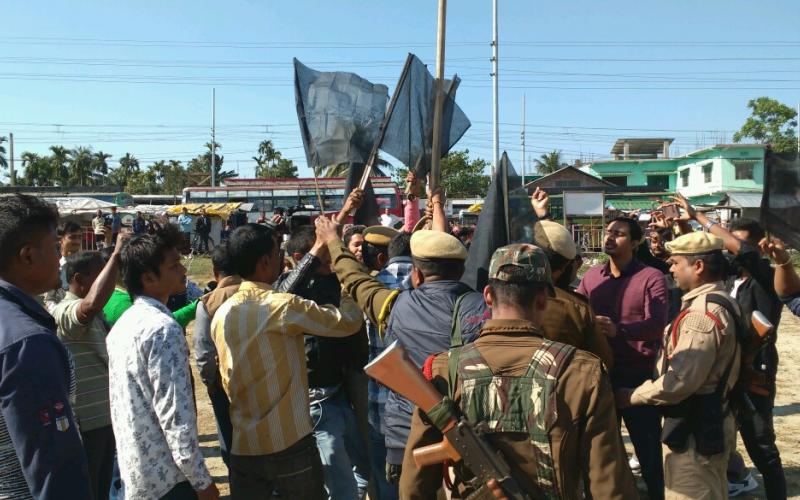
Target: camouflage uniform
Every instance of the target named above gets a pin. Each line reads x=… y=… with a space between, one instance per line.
x=546 y=406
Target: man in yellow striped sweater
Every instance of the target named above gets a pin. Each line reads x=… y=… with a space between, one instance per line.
x=259 y=337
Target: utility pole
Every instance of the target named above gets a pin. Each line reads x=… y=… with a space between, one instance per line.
x=436 y=143
x=213 y=137
x=522 y=136
x=496 y=120
x=798 y=131
x=11 y=172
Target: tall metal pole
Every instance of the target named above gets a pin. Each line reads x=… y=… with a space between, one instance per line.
x=496 y=119
x=436 y=145
x=213 y=137
x=522 y=136
x=11 y=172
x=798 y=131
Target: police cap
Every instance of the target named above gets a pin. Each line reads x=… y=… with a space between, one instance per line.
x=696 y=243
x=436 y=245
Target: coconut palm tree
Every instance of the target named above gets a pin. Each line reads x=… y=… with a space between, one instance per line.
x=100 y=167
x=59 y=164
x=80 y=166
x=549 y=162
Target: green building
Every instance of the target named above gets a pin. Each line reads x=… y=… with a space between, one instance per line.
x=730 y=175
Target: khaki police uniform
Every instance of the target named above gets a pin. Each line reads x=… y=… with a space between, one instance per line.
x=585 y=445
x=569 y=318
x=695 y=356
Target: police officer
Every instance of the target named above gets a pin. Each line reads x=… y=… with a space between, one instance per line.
x=698 y=367
x=421 y=318
x=535 y=382
x=569 y=317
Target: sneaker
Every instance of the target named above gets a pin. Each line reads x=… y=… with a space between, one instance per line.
x=736 y=488
x=633 y=463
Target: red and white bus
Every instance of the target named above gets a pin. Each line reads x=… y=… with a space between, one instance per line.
x=267 y=194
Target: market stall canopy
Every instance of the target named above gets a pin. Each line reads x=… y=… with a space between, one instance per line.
x=221 y=210
x=74 y=205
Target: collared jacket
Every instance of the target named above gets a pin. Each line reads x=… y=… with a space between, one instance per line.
x=585 y=442
x=205 y=352
x=420 y=319
x=696 y=355
x=41 y=454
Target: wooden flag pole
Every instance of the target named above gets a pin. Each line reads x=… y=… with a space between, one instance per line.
x=436 y=144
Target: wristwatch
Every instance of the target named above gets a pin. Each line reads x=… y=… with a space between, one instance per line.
x=708 y=225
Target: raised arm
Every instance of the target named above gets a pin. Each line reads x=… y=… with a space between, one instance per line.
x=732 y=244
x=787 y=281
x=102 y=288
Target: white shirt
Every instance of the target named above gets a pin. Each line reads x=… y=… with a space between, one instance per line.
x=152 y=408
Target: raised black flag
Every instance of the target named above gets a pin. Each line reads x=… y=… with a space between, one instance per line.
x=408 y=134
x=507 y=217
x=340 y=115
x=780 y=203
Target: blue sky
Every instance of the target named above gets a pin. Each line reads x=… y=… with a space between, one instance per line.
x=137 y=77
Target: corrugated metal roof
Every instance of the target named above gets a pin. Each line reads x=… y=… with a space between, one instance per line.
x=744 y=199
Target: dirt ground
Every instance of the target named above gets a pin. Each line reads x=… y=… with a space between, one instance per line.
x=787 y=408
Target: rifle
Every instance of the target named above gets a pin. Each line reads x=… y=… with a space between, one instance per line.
x=462 y=441
x=752 y=380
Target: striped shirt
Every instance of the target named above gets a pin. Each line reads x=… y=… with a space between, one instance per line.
x=87 y=344
x=259 y=336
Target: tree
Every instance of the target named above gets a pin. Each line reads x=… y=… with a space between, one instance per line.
x=80 y=166
x=142 y=182
x=100 y=167
x=549 y=162
x=199 y=168
x=771 y=122
x=128 y=167
x=459 y=177
x=173 y=178
x=59 y=165
x=38 y=170
x=3 y=160
x=282 y=169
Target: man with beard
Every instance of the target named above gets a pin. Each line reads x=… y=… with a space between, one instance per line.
x=631 y=302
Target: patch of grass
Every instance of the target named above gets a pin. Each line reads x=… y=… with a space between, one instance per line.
x=199 y=269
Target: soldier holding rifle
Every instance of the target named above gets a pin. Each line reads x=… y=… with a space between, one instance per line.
x=546 y=406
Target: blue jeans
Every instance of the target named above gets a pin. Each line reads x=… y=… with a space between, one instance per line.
x=341 y=449
x=377 y=456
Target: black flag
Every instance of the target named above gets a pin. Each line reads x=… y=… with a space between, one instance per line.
x=780 y=204
x=408 y=133
x=507 y=217
x=340 y=116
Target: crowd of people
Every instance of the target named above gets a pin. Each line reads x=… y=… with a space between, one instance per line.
x=97 y=397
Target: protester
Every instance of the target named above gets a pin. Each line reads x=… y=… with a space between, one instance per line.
x=546 y=382
x=41 y=454
x=99 y=227
x=205 y=352
x=81 y=327
x=203 y=229
x=754 y=290
x=421 y=319
x=259 y=337
x=630 y=300
x=396 y=275
x=70 y=238
x=787 y=281
x=697 y=370
x=353 y=239
x=329 y=361
x=185 y=222
x=152 y=408
x=139 y=224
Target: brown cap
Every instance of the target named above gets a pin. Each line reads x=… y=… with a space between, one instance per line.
x=696 y=243
x=379 y=235
x=556 y=238
x=432 y=245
